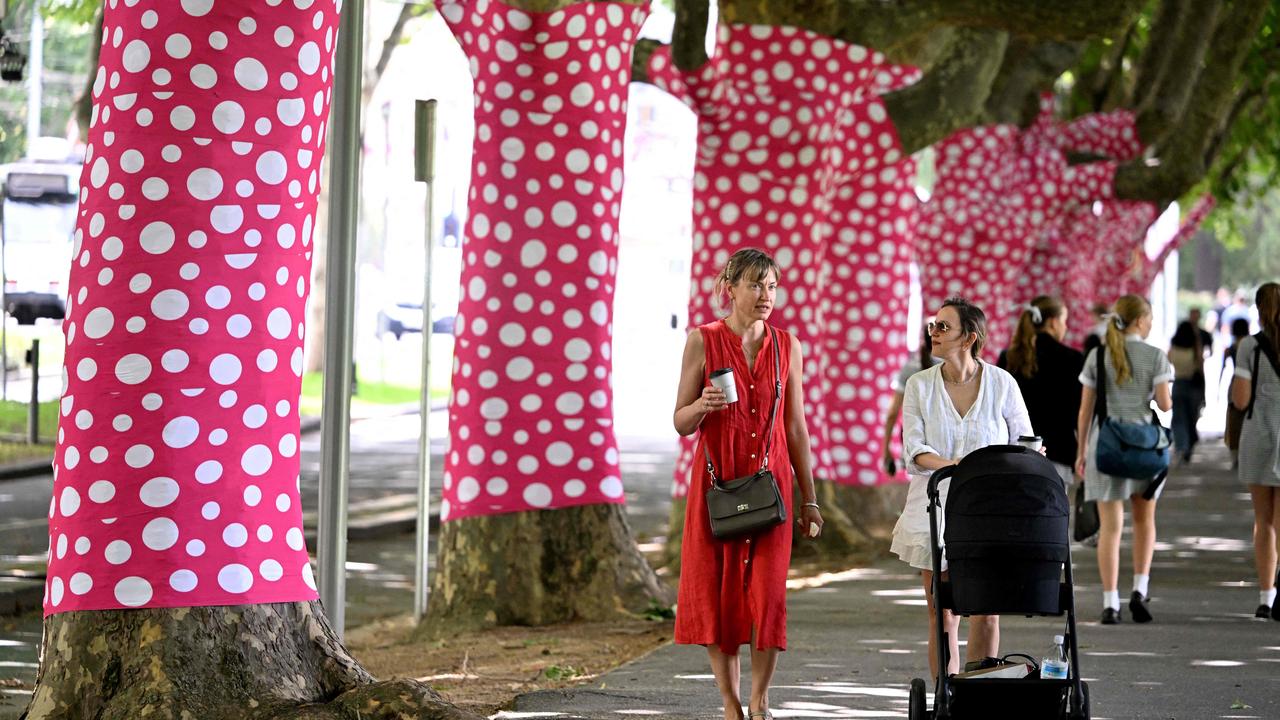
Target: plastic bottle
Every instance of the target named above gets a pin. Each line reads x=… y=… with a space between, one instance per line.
x=1053 y=665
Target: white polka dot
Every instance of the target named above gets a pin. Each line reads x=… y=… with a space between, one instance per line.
x=170 y=304
x=225 y=369
x=197 y=8
x=102 y=491
x=118 y=552
x=256 y=461
x=270 y=570
x=309 y=58
x=252 y=495
x=178 y=46
x=160 y=534
x=195 y=548
x=294 y=538
x=537 y=495
x=272 y=168
x=235 y=535
x=158 y=492
x=288 y=445
x=133 y=591
x=235 y=578
x=183 y=581
x=251 y=74
x=136 y=57
x=208 y=472
x=98 y=322
x=468 y=489
x=156 y=238
x=80 y=583
x=139 y=456
x=83 y=545
x=133 y=369
x=279 y=324
x=611 y=487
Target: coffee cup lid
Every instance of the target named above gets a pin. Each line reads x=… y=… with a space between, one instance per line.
x=1028 y=437
x=721 y=371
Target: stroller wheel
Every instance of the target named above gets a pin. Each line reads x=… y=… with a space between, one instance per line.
x=1084 y=704
x=915 y=702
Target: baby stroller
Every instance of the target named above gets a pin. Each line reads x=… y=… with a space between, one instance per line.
x=1008 y=550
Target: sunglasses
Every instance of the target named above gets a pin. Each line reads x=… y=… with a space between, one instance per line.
x=942 y=327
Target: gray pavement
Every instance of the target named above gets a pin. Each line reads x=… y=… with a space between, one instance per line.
x=855 y=641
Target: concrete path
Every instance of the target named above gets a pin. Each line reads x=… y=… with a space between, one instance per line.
x=856 y=641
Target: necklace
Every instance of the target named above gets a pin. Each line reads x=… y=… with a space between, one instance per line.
x=961 y=382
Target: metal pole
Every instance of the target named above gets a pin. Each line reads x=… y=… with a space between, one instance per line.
x=424 y=139
x=35 y=84
x=335 y=413
x=33 y=410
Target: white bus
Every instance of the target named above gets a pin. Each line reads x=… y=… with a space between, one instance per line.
x=37 y=221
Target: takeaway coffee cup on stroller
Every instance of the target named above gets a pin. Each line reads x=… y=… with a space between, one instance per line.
x=1031 y=442
x=723 y=379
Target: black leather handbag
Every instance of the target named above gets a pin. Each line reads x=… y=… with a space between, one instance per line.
x=750 y=504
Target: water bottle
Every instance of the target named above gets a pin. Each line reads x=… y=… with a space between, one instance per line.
x=1053 y=665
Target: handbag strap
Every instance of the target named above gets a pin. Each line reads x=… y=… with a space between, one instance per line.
x=1262 y=345
x=773 y=408
x=1100 y=406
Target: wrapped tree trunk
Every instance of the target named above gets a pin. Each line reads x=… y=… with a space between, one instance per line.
x=795 y=153
x=532 y=487
x=178 y=581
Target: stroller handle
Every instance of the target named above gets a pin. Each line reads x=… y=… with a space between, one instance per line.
x=938 y=476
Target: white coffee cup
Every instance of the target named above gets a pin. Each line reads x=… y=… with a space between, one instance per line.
x=1031 y=442
x=723 y=379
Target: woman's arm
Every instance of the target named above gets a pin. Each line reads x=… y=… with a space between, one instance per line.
x=1164 y=396
x=1016 y=418
x=798 y=449
x=1088 y=396
x=890 y=423
x=694 y=401
x=1241 y=389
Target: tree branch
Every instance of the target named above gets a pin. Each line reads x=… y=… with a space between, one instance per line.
x=373 y=74
x=951 y=95
x=1247 y=99
x=1110 y=94
x=1166 y=99
x=645 y=47
x=1182 y=154
x=1160 y=44
x=1027 y=69
x=689 y=36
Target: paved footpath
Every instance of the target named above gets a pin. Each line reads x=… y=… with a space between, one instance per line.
x=856 y=641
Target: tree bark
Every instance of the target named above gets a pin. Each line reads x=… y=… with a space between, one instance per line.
x=1166 y=99
x=539 y=568
x=1182 y=158
x=236 y=662
x=951 y=95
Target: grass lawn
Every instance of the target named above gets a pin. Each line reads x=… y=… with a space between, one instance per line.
x=13 y=419
x=368 y=393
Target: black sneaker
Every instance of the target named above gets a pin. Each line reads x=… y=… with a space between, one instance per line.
x=1110 y=616
x=1263 y=611
x=1138 y=607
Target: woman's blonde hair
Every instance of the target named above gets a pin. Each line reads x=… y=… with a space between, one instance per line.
x=749 y=263
x=1021 y=356
x=1127 y=311
x=1268 y=300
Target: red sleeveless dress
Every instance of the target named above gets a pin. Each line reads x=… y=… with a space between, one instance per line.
x=727 y=587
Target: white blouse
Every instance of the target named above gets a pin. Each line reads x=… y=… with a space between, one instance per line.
x=930 y=424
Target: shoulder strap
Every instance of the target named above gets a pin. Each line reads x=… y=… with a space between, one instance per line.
x=1100 y=405
x=1261 y=345
x=773 y=410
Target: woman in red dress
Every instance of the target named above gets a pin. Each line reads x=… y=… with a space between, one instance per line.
x=734 y=591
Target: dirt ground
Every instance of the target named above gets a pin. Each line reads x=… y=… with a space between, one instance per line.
x=484 y=671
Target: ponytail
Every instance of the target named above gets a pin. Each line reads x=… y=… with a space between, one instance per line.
x=1268 y=301
x=1128 y=310
x=1021 y=356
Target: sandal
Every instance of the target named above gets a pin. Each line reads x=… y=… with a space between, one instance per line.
x=762 y=714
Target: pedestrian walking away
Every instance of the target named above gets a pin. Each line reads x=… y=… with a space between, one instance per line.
x=1048 y=374
x=1235 y=416
x=1255 y=390
x=948 y=411
x=1135 y=373
x=1186 y=355
x=733 y=591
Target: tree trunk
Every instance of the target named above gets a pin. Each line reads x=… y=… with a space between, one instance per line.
x=539 y=568
x=234 y=662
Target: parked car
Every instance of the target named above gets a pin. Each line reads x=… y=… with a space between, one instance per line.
x=406 y=317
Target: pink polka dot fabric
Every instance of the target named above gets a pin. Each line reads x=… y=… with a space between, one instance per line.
x=998 y=188
x=794 y=144
x=531 y=418
x=177 y=460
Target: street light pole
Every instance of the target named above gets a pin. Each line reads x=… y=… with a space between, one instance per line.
x=424 y=140
x=340 y=254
